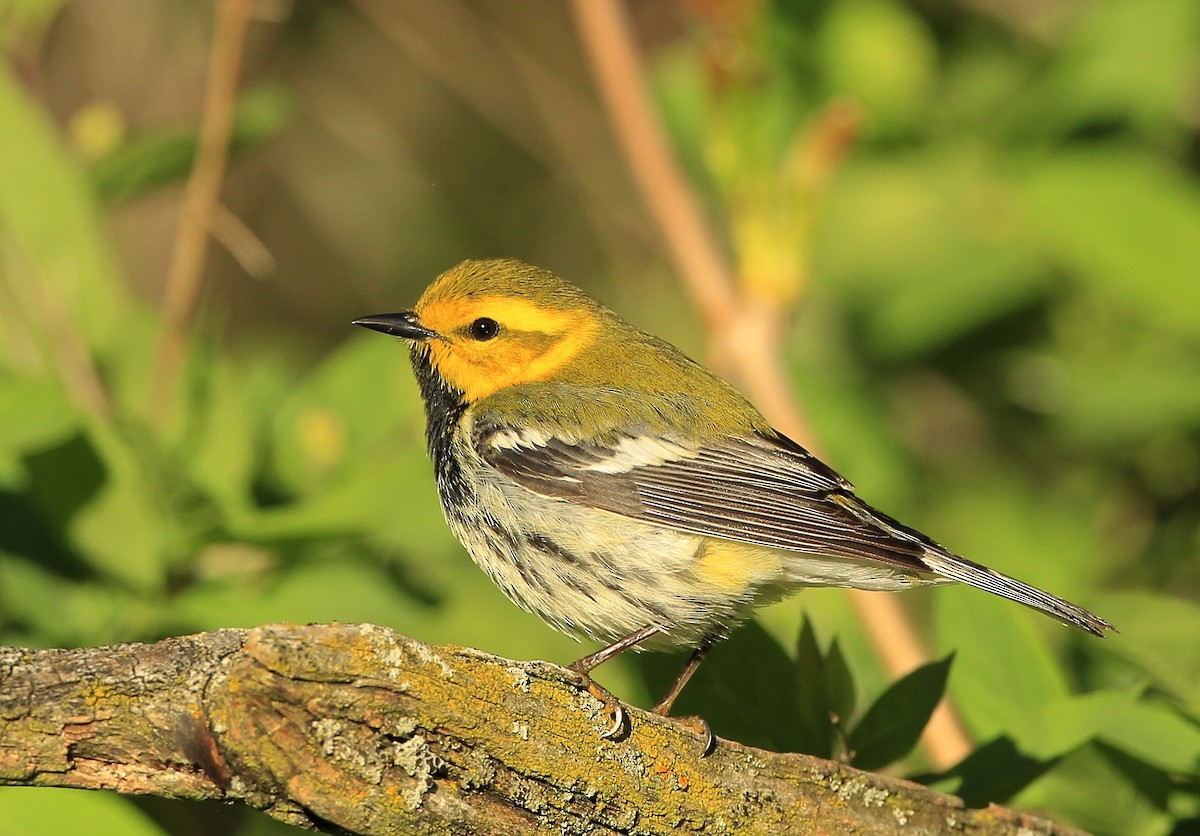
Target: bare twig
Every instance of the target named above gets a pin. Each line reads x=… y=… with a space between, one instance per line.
x=356 y=729
x=59 y=338
x=200 y=197
x=434 y=34
x=239 y=241
x=610 y=49
x=747 y=327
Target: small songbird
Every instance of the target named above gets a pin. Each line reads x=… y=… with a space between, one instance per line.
x=624 y=493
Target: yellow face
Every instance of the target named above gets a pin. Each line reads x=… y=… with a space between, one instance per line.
x=492 y=342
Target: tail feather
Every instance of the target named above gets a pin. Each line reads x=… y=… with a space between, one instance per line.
x=965 y=571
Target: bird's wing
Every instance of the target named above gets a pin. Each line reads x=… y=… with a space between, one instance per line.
x=764 y=490
x=768 y=491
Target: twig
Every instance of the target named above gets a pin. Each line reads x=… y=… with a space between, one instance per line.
x=38 y=301
x=356 y=729
x=745 y=326
x=610 y=50
x=239 y=241
x=203 y=188
x=434 y=34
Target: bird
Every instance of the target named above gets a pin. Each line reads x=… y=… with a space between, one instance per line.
x=626 y=494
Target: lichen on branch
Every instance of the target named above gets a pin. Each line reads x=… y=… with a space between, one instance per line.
x=361 y=729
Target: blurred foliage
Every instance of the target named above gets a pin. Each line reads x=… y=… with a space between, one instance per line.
x=997 y=338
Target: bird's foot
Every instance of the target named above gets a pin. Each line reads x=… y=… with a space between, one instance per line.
x=620 y=717
x=700 y=726
x=612 y=705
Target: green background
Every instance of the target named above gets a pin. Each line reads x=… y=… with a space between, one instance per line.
x=996 y=336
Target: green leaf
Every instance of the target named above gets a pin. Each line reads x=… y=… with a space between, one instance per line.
x=64 y=478
x=142 y=164
x=1062 y=725
x=1158 y=636
x=1124 y=58
x=329 y=589
x=230 y=427
x=839 y=685
x=880 y=54
x=892 y=726
x=968 y=288
x=1102 y=791
x=369 y=499
x=810 y=704
x=1125 y=225
x=48 y=216
x=745 y=690
x=1042 y=534
x=50 y=610
x=1156 y=734
x=992 y=774
x=1004 y=669
x=33 y=414
x=848 y=418
x=907 y=239
x=333 y=424
x=151 y=161
x=57 y=483
x=30 y=810
x=995 y=772
x=130 y=529
x=1126 y=392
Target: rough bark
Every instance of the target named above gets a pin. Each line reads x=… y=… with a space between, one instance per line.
x=359 y=728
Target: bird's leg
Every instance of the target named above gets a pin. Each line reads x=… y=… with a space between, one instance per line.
x=664 y=705
x=583 y=668
x=697 y=724
x=585 y=665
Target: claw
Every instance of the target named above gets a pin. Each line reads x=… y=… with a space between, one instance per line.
x=620 y=721
x=710 y=741
x=620 y=716
x=701 y=727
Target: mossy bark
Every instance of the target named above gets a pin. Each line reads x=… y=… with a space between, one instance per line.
x=359 y=728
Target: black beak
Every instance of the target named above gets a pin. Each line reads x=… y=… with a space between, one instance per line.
x=404 y=325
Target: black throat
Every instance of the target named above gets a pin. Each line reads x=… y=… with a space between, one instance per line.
x=444 y=408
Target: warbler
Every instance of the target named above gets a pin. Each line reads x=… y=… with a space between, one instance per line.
x=624 y=493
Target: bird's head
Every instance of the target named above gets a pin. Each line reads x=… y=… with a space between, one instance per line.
x=489 y=324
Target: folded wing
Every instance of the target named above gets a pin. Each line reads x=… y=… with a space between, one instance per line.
x=763 y=490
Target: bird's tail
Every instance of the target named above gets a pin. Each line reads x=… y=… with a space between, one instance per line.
x=916 y=548
x=965 y=571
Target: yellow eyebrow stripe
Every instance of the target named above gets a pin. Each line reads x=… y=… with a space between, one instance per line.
x=480 y=370
x=515 y=314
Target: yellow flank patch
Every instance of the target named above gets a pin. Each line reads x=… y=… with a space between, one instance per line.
x=733 y=567
x=533 y=344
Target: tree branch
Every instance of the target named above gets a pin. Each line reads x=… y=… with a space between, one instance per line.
x=356 y=728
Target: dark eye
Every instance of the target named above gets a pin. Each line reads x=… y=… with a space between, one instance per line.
x=484 y=328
